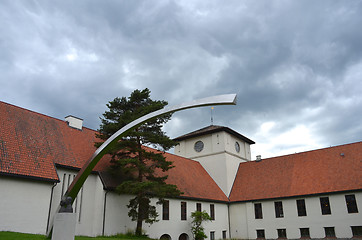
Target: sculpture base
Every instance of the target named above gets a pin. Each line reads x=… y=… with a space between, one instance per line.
x=64 y=226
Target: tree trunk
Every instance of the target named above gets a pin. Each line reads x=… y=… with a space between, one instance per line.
x=140 y=217
x=139 y=227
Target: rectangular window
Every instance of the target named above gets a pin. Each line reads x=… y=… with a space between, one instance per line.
x=278 y=209
x=260 y=234
x=212 y=235
x=357 y=231
x=183 y=211
x=282 y=233
x=63 y=185
x=351 y=203
x=198 y=207
x=224 y=234
x=166 y=210
x=76 y=200
x=80 y=204
x=68 y=180
x=301 y=208
x=258 y=211
x=304 y=233
x=212 y=211
x=329 y=231
x=325 y=206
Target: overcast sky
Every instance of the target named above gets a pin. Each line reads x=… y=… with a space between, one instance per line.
x=296 y=66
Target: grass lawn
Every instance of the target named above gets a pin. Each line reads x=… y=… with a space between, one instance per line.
x=24 y=236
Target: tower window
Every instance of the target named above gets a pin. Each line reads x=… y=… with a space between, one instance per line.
x=199 y=145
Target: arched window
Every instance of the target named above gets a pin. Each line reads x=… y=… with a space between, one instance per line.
x=183 y=236
x=165 y=237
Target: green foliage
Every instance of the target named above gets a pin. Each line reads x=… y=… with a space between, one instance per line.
x=137 y=165
x=21 y=236
x=198 y=218
x=26 y=236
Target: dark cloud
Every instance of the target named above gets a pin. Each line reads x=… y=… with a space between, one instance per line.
x=295 y=65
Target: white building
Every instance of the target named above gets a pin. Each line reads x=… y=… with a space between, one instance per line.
x=314 y=194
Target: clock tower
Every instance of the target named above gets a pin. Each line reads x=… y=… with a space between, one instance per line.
x=219 y=149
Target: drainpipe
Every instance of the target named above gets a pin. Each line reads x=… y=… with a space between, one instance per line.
x=229 y=220
x=104 y=212
x=50 y=204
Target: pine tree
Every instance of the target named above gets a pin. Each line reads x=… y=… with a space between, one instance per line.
x=135 y=163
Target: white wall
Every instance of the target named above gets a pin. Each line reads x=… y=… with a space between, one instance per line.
x=175 y=226
x=24 y=205
x=219 y=156
x=214 y=143
x=117 y=220
x=88 y=205
x=244 y=224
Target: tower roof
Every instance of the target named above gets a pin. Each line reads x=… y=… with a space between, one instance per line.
x=213 y=129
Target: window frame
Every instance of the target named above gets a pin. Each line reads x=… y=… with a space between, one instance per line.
x=260 y=232
x=198 y=207
x=212 y=235
x=183 y=211
x=301 y=208
x=166 y=210
x=224 y=232
x=278 y=206
x=325 y=206
x=328 y=230
x=212 y=211
x=258 y=210
x=282 y=231
x=356 y=231
x=351 y=203
x=305 y=235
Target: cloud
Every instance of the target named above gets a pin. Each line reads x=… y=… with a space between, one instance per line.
x=295 y=66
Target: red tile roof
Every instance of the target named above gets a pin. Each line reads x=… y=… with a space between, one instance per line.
x=193 y=180
x=31 y=143
x=328 y=170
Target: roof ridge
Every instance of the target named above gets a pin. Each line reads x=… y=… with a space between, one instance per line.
x=308 y=151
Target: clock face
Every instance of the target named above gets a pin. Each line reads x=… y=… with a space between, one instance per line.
x=237 y=147
x=199 y=145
